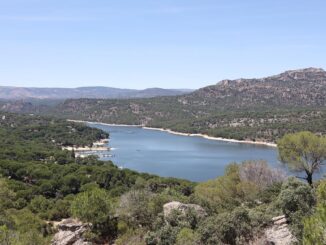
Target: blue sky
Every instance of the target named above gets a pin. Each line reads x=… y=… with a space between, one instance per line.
x=156 y=43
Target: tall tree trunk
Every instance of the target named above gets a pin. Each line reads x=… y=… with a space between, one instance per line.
x=309 y=178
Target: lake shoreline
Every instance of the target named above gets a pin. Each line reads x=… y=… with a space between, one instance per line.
x=269 y=144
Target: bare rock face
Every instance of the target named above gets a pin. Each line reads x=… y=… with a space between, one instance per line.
x=168 y=208
x=70 y=232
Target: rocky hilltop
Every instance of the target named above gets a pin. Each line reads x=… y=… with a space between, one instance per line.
x=304 y=87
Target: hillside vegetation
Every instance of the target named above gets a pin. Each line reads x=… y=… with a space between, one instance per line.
x=39 y=180
x=255 y=109
x=41 y=184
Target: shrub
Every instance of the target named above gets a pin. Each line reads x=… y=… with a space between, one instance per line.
x=296 y=200
x=260 y=174
x=227 y=228
x=315 y=225
x=187 y=236
x=166 y=235
x=221 y=193
x=134 y=205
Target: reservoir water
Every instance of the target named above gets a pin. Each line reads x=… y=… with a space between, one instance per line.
x=169 y=155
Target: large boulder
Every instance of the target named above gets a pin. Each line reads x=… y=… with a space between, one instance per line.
x=70 y=232
x=168 y=208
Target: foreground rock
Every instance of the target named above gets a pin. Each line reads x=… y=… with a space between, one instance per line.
x=277 y=234
x=70 y=232
x=168 y=208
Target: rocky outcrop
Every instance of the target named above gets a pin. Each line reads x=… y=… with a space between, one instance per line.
x=293 y=88
x=168 y=208
x=70 y=232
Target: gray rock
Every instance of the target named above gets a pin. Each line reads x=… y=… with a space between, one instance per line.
x=70 y=232
x=183 y=208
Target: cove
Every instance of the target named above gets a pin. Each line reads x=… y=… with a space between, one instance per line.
x=169 y=155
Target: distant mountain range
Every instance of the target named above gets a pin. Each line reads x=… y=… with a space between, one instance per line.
x=14 y=93
x=290 y=89
x=254 y=109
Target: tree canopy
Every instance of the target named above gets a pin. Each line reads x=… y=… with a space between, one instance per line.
x=303 y=151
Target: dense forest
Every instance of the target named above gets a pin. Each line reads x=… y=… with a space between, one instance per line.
x=41 y=184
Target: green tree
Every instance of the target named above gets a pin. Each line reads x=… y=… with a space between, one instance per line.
x=303 y=151
x=95 y=206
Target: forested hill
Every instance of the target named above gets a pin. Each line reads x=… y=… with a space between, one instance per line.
x=255 y=109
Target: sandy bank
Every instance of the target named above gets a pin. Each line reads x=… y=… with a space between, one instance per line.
x=214 y=138
x=270 y=144
x=107 y=124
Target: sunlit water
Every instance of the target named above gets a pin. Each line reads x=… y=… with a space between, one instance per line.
x=192 y=158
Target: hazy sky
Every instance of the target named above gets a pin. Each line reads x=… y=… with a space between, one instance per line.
x=156 y=43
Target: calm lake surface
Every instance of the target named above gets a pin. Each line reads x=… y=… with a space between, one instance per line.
x=165 y=154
